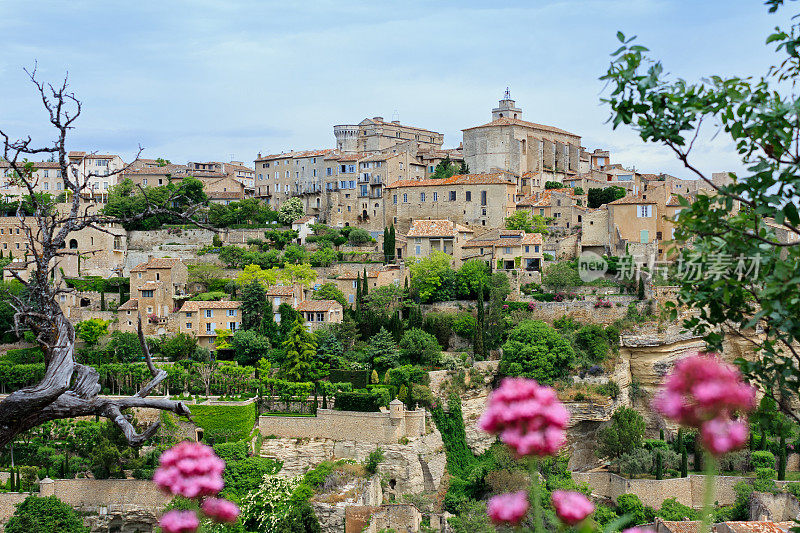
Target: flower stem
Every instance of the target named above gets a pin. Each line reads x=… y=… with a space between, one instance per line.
x=536 y=496
x=708 y=495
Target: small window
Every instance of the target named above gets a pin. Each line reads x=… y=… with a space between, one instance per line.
x=452 y=196
x=469 y=196
x=209 y=313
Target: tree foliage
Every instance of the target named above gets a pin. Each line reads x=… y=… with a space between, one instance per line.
x=45 y=515
x=432 y=278
x=598 y=197
x=525 y=221
x=536 y=350
x=622 y=435
x=290 y=210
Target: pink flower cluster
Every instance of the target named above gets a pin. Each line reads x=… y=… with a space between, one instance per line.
x=571 y=507
x=508 y=508
x=193 y=470
x=703 y=392
x=527 y=416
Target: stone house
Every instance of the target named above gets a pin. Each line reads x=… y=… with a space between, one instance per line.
x=97 y=170
x=427 y=236
x=347 y=281
x=375 y=135
x=563 y=206
x=285 y=294
x=303 y=227
x=518 y=146
x=504 y=249
x=202 y=319
x=156 y=287
x=46 y=179
x=482 y=201
x=318 y=313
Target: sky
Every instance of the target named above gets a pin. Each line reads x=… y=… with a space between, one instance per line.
x=209 y=80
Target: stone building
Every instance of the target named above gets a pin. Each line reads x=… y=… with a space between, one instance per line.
x=505 y=249
x=482 y=201
x=427 y=236
x=375 y=135
x=156 y=288
x=318 y=313
x=347 y=281
x=96 y=169
x=515 y=145
x=203 y=319
x=563 y=206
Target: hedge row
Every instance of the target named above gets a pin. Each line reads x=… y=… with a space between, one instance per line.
x=362 y=401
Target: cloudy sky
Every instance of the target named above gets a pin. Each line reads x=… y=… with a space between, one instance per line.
x=216 y=80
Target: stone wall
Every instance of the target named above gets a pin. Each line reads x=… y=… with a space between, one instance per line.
x=774 y=507
x=92 y=495
x=402 y=518
x=652 y=492
x=8 y=504
x=584 y=310
x=380 y=428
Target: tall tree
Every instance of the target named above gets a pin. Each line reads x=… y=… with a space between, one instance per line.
x=751 y=219
x=478 y=343
x=300 y=351
x=254 y=303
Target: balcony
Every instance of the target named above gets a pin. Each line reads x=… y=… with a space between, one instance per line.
x=376 y=180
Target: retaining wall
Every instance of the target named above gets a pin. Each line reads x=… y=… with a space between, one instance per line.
x=377 y=428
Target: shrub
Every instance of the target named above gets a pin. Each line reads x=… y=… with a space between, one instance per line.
x=231 y=451
x=631 y=505
x=536 y=350
x=359 y=236
x=610 y=389
x=465 y=325
x=45 y=515
x=373 y=460
x=671 y=510
x=623 y=434
x=420 y=347
x=360 y=401
x=762 y=459
x=592 y=340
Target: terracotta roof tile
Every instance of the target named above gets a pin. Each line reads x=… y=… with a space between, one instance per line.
x=496 y=178
x=156 y=262
x=319 y=305
x=504 y=238
x=506 y=121
x=354 y=275
x=297 y=155
x=436 y=228
x=630 y=200
x=303 y=220
x=150 y=285
x=280 y=290
x=194 y=305
x=130 y=305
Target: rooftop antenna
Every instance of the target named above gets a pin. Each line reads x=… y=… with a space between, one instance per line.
x=233 y=156
x=507 y=95
x=395 y=116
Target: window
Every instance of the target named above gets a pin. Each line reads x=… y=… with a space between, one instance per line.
x=452 y=196
x=188 y=325
x=144 y=181
x=435 y=196
x=483 y=197
x=394 y=199
x=147 y=294
x=351 y=169
x=536 y=249
x=46 y=174
x=645 y=211
x=350 y=298
x=405 y=198
x=507 y=250
x=329 y=171
x=209 y=313
x=419 y=249
x=320 y=317
x=527 y=249
x=644 y=236
x=209 y=327
x=188 y=314
x=422 y=197
x=231 y=312
x=46 y=186
x=469 y=196
x=232 y=326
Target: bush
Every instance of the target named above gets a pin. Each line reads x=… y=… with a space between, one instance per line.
x=231 y=451
x=762 y=459
x=419 y=347
x=671 y=510
x=592 y=340
x=536 y=350
x=360 y=401
x=358 y=237
x=631 y=505
x=373 y=460
x=45 y=515
x=623 y=434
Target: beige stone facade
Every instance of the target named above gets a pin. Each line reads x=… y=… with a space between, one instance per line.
x=202 y=319
x=347 y=281
x=375 y=135
x=427 y=236
x=480 y=201
x=319 y=313
x=156 y=287
x=507 y=250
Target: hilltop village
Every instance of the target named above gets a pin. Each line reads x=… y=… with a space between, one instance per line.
x=336 y=317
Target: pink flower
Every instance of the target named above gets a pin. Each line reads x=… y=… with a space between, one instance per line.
x=571 y=507
x=179 y=522
x=508 y=508
x=190 y=469
x=220 y=510
x=700 y=388
x=527 y=416
x=722 y=435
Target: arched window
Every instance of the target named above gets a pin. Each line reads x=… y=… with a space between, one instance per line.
x=73 y=244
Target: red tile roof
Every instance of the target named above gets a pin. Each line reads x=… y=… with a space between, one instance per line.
x=496 y=178
x=194 y=305
x=436 y=228
x=156 y=262
x=631 y=200
x=280 y=290
x=319 y=305
x=130 y=305
x=504 y=238
x=293 y=154
x=506 y=121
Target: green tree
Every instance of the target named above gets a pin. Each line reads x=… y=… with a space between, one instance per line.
x=480 y=324
x=622 y=435
x=45 y=515
x=744 y=213
x=445 y=169
x=249 y=346
x=300 y=349
x=561 y=276
x=536 y=350
x=295 y=254
x=124 y=347
x=420 y=347
x=523 y=220
x=323 y=257
x=432 y=278
x=389 y=244
x=382 y=352
x=472 y=275
x=598 y=197
x=254 y=304
x=329 y=291
x=90 y=331
x=358 y=237
x=290 y=210
x=179 y=347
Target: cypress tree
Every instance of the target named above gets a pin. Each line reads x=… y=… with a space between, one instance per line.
x=393 y=240
x=365 y=284
x=684 y=462
x=661 y=433
x=763 y=442
x=358 y=294
x=386 y=245
x=782 y=459
x=752 y=445
x=698 y=458
x=102 y=300
x=324 y=398
x=659 y=465
x=479 y=346
x=405 y=284
x=640 y=291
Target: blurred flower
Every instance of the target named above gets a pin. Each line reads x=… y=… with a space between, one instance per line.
x=179 y=522
x=508 y=508
x=571 y=507
x=220 y=510
x=190 y=469
x=722 y=435
x=527 y=416
x=701 y=388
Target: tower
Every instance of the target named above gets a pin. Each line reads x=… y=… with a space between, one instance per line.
x=506 y=108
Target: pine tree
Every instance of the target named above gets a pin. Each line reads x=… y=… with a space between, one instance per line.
x=382 y=352
x=659 y=465
x=300 y=350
